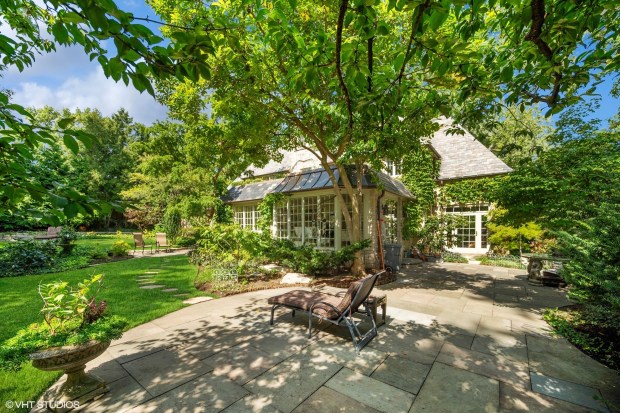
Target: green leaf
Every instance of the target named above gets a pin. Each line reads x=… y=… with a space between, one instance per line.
x=64 y=122
x=398 y=61
x=71 y=143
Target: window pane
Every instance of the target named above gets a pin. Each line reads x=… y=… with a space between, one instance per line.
x=327 y=222
x=390 y=222
x=281 y=221
x=295 y=220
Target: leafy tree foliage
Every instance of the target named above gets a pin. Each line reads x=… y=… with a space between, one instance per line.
x=126 y=50
x=99 y=171
x=349 y=80
x=568 y=183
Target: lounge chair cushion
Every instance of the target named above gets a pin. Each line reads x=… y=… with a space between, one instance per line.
x=304 y=300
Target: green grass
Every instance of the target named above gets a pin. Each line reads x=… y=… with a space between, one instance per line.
x=20 y=306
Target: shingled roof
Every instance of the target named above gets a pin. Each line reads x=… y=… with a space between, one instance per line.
x=462 y=156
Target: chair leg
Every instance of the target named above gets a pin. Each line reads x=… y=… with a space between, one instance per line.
x=273 y=308
x=293 y=313
x=309 y=325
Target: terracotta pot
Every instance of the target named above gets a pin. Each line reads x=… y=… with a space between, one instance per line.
x=80 y=386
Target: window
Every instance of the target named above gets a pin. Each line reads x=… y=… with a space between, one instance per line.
x=466 y=233
x=473 y=232
x=393 y=168
x=281 y=220
x=296 y=220
x=309 y=220
x=247 y=216
x=390 y=222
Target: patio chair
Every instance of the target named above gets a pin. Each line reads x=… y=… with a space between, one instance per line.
x=161 y=242
x=138 y=242
x=336 y=310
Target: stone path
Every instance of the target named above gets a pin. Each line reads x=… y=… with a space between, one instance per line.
x=146 y=282
x=459 y=338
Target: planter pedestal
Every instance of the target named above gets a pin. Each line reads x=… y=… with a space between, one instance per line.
x=80 y=387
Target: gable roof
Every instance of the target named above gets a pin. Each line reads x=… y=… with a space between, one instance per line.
x=463 y=156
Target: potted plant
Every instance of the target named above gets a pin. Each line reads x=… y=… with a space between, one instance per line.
x=74 y=331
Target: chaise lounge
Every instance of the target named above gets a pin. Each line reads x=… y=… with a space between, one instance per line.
x=334 y=309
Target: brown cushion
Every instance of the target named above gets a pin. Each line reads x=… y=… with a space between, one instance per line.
x=304 y=300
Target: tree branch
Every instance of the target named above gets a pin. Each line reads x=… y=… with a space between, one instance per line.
x=343 y=86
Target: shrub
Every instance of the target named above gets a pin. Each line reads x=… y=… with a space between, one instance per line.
x=448 y=256
x=27 y=257
x=120 y=249
x=594 y=252
x=507 y=261
x=505 y=239
x=172 y=223
x=231 y=246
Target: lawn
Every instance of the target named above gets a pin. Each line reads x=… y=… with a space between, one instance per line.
x=20 y=306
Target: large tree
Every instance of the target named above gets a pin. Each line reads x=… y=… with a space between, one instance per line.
x=358 y=81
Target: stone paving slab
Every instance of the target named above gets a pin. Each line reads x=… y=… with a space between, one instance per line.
x=516 y=400
x=124 y=394
x=207 y=394
x=402 y=373
x=152 y=286
x=164 y=370
x=241 y=363
x=567 y=391
x=291 y=382
x=493 y=366
x=252 y=404
x=448 y=390
x=328 y=400
x=370 y=392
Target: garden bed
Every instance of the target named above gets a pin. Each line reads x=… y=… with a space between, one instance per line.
x=266 y=282
x=601 y=342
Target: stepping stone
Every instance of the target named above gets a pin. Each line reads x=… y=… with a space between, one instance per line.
x=181 y=295
x=196 y=300
x=170 y=290
x=152 y=286
x=151 y=272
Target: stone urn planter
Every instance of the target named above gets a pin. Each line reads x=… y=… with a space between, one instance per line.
x=80 y=387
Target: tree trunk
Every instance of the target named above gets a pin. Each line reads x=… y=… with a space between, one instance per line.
x=351 y=219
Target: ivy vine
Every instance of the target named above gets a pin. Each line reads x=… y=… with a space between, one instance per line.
x=265 y=208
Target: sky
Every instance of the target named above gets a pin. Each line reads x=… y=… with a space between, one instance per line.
x=67 y=79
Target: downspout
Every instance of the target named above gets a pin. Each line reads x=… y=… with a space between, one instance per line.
x=379 y=240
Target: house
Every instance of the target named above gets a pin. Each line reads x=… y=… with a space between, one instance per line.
x=311 y=214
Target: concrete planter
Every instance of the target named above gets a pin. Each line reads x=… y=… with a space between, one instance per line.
x=80 y=387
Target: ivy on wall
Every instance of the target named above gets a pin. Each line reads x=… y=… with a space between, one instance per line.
x=469 y=191
x=420 y=172
x=265 y=208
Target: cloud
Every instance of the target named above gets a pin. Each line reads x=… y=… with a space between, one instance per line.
x=91 y=90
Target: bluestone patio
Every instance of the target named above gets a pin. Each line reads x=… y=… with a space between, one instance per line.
x=458 y=338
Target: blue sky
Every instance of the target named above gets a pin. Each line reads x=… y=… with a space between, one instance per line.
x=67 y=79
